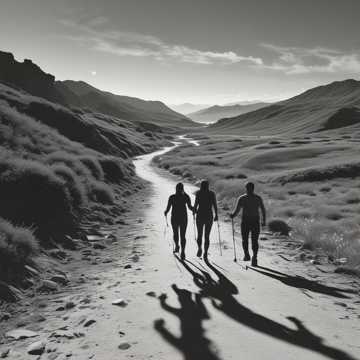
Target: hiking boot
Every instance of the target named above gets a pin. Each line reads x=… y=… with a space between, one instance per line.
x=182 y=256
x=247 y=257
x=199 y=253
x=177 y=248
x=254 y=261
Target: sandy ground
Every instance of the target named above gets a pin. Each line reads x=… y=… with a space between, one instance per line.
x=192 y=310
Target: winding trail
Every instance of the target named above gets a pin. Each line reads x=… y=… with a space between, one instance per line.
x=204 y=311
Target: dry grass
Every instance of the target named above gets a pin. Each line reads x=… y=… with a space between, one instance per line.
x=18 y=246
x=304 y=182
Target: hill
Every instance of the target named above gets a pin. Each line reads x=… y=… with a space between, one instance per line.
x=330 y=107
x=216 y=112
x=187 y=108
x=30 y=77
x=124 y=107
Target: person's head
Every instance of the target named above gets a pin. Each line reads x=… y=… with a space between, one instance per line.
x=179 y=188
x=204 y=185
x=250 y=187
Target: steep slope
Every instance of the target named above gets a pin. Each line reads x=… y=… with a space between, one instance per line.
x=310 y=111
x=125 y=107
x=216 y=112
x=29 y=77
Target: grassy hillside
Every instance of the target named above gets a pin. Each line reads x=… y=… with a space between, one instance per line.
x=59 y=168
x=311 y=183
x=333 y=106
x=124 y=107
x=217 y=112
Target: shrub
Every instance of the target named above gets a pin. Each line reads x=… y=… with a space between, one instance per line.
x=17 y=246
x=71 y=161
x=94 y=166
x=101 y=192
x=33 y=195
x=114 y=169
x=74 y=184
x=279 y=226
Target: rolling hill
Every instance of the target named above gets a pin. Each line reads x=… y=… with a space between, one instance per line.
x=329 y=107
x=124 y=107
x=187 y=108
x=216 y=112
x=30 y=77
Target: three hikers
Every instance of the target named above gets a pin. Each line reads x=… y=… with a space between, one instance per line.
x=204 y=208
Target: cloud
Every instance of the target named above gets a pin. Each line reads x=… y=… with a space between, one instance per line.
x=297 y=60
x=98 y=36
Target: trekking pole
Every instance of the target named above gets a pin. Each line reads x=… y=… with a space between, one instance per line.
x=233 y=235
x=218 y=226
x=194 y=227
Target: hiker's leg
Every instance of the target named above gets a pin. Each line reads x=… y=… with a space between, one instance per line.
x=255 y=232
x=175 y=227
x=245 y=230
x=200 y=229
x=183 y=227
x=208 y=226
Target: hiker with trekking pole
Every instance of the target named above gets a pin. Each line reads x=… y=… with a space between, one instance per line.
x=204 y=208
x=251 y=205
x=179 y=219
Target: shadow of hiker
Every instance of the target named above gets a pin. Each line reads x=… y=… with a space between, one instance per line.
x=192 y=312
x=303 y=283
x=222 y=293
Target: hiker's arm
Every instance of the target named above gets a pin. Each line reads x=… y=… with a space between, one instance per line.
x=168 y=206
x=215 y=208
x=237 y=209
x=188 y=203
x=196 y=204
x=263 y=212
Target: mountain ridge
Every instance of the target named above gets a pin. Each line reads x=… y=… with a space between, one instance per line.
x=307 y=112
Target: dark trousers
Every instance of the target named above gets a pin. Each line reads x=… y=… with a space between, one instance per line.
x=179 y=226
x=250 y=226
x=201 y=224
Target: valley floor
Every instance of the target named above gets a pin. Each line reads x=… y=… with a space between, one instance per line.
x=167 y=309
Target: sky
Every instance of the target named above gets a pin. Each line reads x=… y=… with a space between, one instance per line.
x=197 y=51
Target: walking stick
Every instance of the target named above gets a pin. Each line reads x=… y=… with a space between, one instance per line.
x=233 y=235
x=218 y=226
x=194 y=227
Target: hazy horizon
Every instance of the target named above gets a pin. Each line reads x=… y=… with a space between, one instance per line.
x=183 y=52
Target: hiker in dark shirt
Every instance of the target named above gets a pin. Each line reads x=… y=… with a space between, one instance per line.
x=251 y=204
x=178 y=203
x=205 y=203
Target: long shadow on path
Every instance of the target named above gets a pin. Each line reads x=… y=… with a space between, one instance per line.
x=303 y=283
x=191 y=313
x=222 y=291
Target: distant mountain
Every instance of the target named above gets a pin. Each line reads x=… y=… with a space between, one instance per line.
x=188 y=108
x=124 y=107
x=332 y=106
x=29 y=77
x=216 y=112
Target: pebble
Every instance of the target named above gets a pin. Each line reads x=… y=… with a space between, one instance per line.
x=59 y=279
x=124 y=346
x=120 y=302
x=20 y=334
x=89 y=322
x=36 y=348
x=151 y=294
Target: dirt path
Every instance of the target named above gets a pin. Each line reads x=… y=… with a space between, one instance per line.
x=215 y=310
